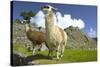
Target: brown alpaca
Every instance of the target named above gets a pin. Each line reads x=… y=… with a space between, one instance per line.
x=36 y=37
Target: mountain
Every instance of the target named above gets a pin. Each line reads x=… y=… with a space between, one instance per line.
x=77 y=39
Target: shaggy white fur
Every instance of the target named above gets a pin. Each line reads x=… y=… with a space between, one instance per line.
x=55 y=36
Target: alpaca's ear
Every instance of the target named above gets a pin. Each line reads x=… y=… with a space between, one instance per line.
x=54 y=9
x=41 y=8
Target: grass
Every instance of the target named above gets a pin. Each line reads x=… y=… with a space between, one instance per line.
x=69 y=55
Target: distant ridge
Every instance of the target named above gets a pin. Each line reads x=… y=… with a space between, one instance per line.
x=77 y=39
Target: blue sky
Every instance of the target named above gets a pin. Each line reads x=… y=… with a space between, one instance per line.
x=88 y=14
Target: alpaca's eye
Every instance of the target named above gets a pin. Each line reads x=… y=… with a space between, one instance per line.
x=46 y=7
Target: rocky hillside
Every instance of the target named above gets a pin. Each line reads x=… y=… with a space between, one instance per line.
x=76 y=38
x=18 y=34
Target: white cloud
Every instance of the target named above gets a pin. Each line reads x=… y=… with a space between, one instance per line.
x=38 y=19
x=63 y=21
x=92 y=33
x=66 y=21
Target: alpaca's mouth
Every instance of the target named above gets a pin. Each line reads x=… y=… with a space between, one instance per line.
x=45 y=10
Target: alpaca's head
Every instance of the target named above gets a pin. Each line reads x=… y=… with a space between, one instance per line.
x=47 y=9
x=27 y=26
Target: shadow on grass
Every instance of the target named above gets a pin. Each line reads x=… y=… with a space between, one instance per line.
x=19 y=60
x=37 y=57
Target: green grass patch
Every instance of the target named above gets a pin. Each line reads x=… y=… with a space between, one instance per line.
x=69 y=55
x=21 y=49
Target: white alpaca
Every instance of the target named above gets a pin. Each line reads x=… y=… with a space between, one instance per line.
x=55 y=36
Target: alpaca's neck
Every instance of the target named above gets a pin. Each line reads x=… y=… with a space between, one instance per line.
x=50 y=22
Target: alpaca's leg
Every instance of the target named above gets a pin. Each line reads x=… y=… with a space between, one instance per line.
x=62 y=48
x=62 y=51
x=50 y=52
x=40 y=46
x=34 y=50
x=58 y=51
x=48 y=49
